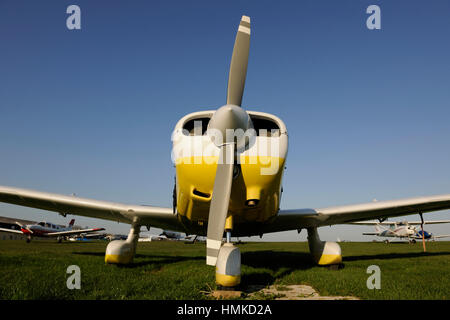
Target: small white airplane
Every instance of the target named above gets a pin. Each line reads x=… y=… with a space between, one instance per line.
x=229 y=167
x=47 y=229
x=170 y=235
x=173 y=235
x=88 y=237
x=402 y=230
x=165 y=235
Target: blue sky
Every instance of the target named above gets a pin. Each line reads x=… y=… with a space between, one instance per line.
x=91 y=111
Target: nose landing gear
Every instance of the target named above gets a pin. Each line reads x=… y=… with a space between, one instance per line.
x=228 y=266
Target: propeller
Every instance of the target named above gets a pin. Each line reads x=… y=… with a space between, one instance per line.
x=222 y=128
x=24 y=227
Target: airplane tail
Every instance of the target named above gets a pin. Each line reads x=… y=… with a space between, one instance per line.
x=71 y=223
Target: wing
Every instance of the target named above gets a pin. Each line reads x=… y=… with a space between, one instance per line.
x=147 y=215
x=440 y=236
x=372 y=223
x=384 y=209
x=71 y=232
x=11 y=230
x=304 y=218
x=428 y=222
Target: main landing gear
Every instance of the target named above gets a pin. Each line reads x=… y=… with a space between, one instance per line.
x=324 y=253
x=122 y=251
x=228 y=266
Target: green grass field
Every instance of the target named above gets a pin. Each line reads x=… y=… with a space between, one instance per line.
x=175 y=270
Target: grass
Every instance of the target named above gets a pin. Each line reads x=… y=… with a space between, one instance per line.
x=174 y=270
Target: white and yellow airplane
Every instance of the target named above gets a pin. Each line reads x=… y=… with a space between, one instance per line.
x=226 y=184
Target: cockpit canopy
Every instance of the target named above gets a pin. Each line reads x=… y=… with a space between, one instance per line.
x=48 y=225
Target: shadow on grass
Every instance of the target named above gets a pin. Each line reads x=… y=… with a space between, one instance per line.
x=389 y=256
x=280 y=264
x=156 y=260
x=276 y=260
x=284 y=263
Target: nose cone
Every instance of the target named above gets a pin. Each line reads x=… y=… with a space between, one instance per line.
x=226 y=120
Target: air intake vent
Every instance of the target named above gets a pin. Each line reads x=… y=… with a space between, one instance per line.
x=201 y=194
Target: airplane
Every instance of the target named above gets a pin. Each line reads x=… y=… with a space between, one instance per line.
x=170 y=235
x=402 y=229
x=165 y=235
x=88 y=237
x=229 y=165
x=47 y=229
x=111 y=237
x=173 y=235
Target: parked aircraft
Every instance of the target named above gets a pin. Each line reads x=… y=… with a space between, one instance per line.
x=47 y=229
x=173 y=235
x=170 y=235
x=229 y=167
x=402 y=230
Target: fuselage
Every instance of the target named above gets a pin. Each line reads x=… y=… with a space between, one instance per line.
x=399 y=232
x=171 y=234
x=256 y=189
x=42 y=229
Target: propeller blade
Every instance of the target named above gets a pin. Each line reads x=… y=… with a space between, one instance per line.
x=218 y=209
x=239 y=61
x=24 y=227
